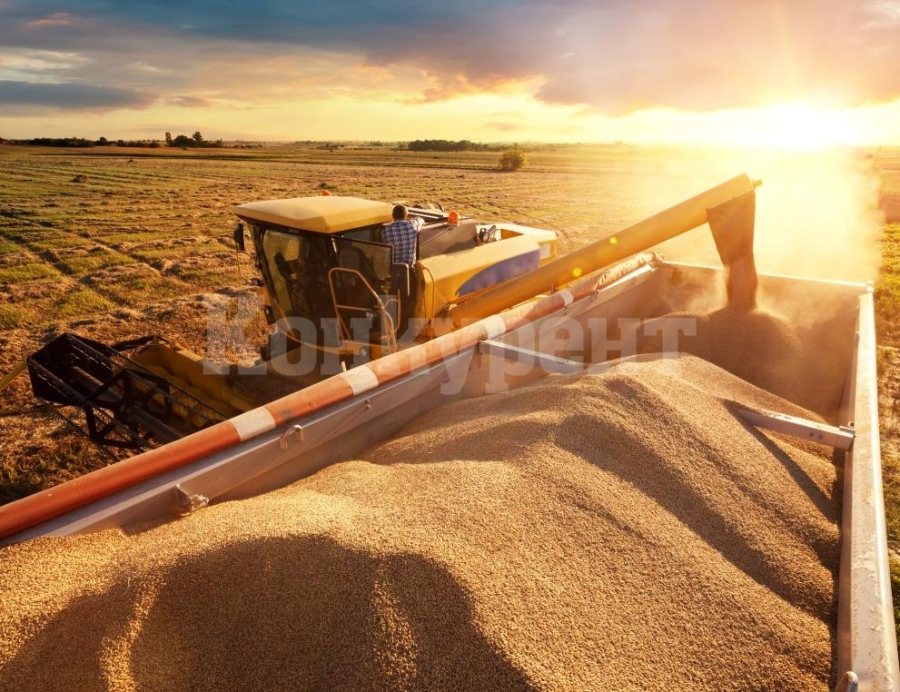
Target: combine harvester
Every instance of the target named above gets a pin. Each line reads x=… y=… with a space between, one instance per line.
x=361 y=346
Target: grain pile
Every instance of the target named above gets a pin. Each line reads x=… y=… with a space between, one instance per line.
x=613 y=530
x=763 y=348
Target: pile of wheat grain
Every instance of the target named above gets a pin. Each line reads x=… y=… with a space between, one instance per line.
x=761 y=348
x=611 y=530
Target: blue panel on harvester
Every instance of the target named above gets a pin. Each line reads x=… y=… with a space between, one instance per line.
x=507 y=269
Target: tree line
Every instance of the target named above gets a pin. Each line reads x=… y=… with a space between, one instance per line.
x=448 y=145
x=512 y=160
x=195 y=140
x=181 y=141
x=79 y=142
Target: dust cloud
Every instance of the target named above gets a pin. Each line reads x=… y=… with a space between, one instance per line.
x=817 y=213
x=818 y=217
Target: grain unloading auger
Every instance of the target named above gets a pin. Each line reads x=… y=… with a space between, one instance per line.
x=489 y=309
x=730 y=209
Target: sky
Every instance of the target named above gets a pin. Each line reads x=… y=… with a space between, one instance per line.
x=752 y=72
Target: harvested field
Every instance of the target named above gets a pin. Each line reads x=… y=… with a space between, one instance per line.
x=617 y=529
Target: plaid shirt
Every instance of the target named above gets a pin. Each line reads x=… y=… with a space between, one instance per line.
x=402 y=236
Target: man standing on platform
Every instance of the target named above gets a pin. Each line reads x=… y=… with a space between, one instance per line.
x=402 y=234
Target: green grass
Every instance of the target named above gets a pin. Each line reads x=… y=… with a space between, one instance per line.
x=31 y=271
x=139 y=289
x=8 y=246
x=82 y=302
x=887 y=317
x=149 y=254
x=887 y=288
x=55 y=241
x=12 y=317
x=84 y=263
x=208 y=279
x=136 y=237
x=895 y=588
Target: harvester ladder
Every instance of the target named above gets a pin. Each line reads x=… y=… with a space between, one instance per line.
x=388 y=334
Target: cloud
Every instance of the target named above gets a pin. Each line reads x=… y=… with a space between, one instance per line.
x=189 y=102
x=610 y=56
x=503 y=126
x=55 y=19
x=71 y=96
x=620 y=57
x=14 y=64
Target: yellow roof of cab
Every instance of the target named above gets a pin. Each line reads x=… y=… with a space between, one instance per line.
x=321 y=214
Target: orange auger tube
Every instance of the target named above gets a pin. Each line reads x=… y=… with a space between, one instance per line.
x=632 y=240
x=43 y=506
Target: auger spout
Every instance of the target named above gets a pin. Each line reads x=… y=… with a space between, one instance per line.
x=632 y=240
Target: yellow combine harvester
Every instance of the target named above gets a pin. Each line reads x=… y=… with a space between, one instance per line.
x=332 y=294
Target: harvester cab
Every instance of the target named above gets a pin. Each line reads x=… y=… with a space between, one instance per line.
x=331 y=287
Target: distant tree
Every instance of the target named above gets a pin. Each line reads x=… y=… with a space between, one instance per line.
x=198 y=139
x=61 y=142
x=445 y=145
x=182 y=141
x=169 y=139
x=513 y=159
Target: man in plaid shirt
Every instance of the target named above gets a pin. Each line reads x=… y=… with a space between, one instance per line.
x=402 y=233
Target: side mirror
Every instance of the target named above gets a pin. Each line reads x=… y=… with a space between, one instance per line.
x=486 y=235
x=239 y=237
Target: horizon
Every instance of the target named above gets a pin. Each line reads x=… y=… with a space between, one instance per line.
x=534 y=146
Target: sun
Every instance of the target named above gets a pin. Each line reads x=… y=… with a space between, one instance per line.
x=800 y=126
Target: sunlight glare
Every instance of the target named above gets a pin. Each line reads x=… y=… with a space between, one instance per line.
x=800 y=126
